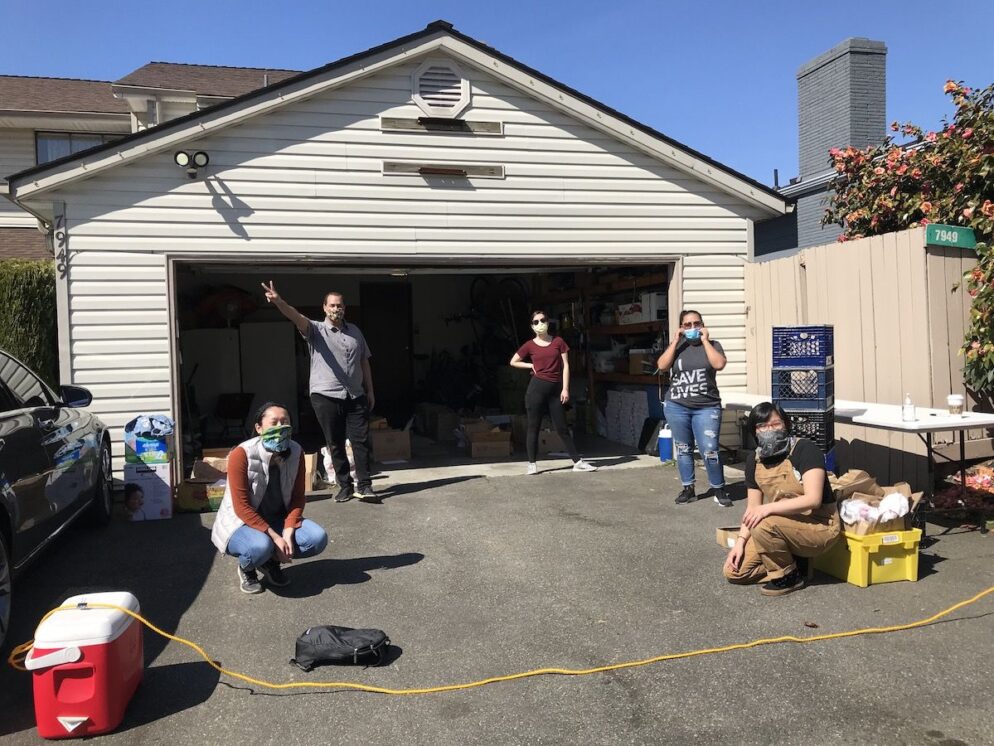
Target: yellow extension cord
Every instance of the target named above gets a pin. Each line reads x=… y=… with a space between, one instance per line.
x=17 y=655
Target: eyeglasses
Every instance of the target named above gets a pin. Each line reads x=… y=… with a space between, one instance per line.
x=764 y=426
x=536 y=322
x=692 y=325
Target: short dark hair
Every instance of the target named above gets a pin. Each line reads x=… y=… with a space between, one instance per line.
x=538 y=311
x=131 y=488
x=261 y=411
x=763 y=411
x=331 y=293
x=688 y=311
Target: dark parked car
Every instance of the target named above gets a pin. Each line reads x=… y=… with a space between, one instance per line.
x=54 y=467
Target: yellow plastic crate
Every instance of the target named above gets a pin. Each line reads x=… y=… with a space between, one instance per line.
x=874 y=558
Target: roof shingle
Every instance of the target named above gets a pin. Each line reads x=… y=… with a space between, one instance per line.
x=24 y=93
x=207 y=80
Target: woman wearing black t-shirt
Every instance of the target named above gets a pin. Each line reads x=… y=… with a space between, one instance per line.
x=790 y=510
x=548 y=389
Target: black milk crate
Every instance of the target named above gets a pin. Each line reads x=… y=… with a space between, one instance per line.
x=804 y=388
x=815 y=426
x=803 y=346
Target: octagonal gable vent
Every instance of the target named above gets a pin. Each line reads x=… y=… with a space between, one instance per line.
x=440 y=89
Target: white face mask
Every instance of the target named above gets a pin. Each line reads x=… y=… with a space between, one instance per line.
x=541 y=328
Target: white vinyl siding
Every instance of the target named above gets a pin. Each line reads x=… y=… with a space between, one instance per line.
x=17 y=153
x=306 y=180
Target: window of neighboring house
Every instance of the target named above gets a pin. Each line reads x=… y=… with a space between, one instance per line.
x=52 y=145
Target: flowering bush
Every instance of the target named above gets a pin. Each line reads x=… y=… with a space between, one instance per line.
x=944 y=176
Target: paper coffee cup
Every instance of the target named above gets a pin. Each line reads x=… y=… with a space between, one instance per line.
x=955 y=403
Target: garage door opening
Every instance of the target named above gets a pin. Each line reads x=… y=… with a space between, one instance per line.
x=441 y=339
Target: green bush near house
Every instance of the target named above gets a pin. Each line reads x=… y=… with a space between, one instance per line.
x=28 y=325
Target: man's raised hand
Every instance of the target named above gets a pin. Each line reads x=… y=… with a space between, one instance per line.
x=271 y=294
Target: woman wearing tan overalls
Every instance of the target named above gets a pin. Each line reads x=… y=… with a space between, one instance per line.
x=790 y=509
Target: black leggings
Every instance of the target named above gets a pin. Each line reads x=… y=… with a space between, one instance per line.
x=541 y=397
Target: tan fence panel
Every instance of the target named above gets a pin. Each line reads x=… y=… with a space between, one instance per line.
x=898 y=329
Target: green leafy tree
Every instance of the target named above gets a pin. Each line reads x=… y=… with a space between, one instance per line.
x=944 y=176
x=28 y=317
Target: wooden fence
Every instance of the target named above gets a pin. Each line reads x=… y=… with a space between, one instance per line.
x=899 y=327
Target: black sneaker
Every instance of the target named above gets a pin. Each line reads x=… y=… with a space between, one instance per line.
x=687 y=495
x=790 y=582
x=721 y=497
x=248 y=581
x=367 y=495
x=345 y=494
x=273 y=574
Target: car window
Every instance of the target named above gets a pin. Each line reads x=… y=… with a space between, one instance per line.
x=7 y=402
x=27 y=389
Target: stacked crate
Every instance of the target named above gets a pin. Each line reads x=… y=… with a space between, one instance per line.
x=804 y=380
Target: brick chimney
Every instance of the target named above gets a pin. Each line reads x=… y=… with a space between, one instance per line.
x=841 y=97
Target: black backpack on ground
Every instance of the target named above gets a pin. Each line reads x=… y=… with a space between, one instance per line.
x=342 y=645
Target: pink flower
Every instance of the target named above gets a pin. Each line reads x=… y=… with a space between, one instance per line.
x=958 y=188
x=893 y=191
x=916 y=173
x=924 y=221
x=902 y=169
x=968 y=213
x=879 y=171
x=987 y=208
x=967 y=133
x=950 y=87
x=926 y=207
x=894 y=126
x=931 y=137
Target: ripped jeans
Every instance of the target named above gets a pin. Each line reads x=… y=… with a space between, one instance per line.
x=701 y=426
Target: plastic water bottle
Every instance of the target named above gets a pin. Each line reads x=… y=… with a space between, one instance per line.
x=908 y=409
x=665 y=443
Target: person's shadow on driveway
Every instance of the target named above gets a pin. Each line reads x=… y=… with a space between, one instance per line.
x=311 y=578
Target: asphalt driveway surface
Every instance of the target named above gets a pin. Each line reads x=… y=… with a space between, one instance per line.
x=480 y=576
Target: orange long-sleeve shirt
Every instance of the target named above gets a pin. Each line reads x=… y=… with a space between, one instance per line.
x=241 y=493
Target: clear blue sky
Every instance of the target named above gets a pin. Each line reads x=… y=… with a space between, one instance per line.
x=717 y=76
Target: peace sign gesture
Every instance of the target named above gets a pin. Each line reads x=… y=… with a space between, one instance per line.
x=271 y=295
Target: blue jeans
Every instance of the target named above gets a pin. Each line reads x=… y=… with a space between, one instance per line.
x=700 y=426
x=254 y=548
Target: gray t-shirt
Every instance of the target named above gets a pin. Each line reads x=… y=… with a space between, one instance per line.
x=692 y=377
x=336 y=359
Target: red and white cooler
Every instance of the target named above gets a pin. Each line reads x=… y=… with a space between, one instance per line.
x=86 y=664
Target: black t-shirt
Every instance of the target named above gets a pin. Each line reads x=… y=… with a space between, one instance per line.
x=692 y=377
x=805 y=456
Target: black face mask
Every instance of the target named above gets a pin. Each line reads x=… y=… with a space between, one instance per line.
x=772 y=443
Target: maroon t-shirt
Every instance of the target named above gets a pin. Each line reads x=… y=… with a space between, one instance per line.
x=547 y=360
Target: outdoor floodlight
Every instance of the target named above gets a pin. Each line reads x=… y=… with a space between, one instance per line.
x=191 y=163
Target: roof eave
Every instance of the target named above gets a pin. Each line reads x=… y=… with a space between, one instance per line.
x=32 y=182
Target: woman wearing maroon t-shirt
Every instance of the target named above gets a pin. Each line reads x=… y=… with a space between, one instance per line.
x=548 y=390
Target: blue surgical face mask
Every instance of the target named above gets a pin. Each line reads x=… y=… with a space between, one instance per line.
x=692 y=334
x=276 y=439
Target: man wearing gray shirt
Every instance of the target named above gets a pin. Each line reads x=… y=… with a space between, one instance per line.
x=341 y=388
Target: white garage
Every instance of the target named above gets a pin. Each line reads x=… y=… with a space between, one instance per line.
x=400 y=176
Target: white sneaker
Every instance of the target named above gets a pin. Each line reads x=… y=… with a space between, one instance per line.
x=532 y=469
x=582 y=465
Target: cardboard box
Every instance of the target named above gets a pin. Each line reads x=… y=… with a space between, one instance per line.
x=495 y=435
x=379 y=423
x=310 y=472
x=727 y=536
x=630 y=313
x=655 y=306
x=490 y=449
x=209 y=469
x=854 y=481
x=206 y=453
x=391 y=445
x=200 y=495
x=155 y=481
x=865 y=528
x=642 y=362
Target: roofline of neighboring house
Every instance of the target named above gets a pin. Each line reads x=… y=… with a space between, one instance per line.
x=67 y=112
x=221 y=67
x=293 y=87
x=54 y=77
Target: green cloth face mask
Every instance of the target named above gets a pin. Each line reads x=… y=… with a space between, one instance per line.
x=276 y=439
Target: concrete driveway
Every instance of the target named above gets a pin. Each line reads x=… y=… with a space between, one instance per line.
x=476 y=576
